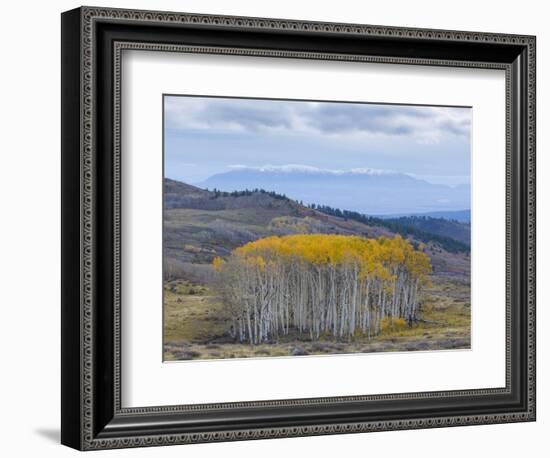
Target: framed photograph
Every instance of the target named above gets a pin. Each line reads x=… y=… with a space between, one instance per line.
x=276 y=228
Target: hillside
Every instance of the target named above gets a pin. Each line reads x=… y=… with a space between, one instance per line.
x=462 y=216
x=453 y=229
x=200 y=225
x=450 y=235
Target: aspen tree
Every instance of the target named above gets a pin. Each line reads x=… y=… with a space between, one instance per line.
x=318 y=284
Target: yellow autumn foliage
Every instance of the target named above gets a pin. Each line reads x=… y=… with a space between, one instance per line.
x=375 y=256
x=321 y=284
x=218 y=263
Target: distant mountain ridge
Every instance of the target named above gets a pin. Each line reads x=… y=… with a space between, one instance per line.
x=462 y=216
x=298 y=168
x=368 y=191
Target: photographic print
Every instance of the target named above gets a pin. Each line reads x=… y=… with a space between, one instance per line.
x=300 y=228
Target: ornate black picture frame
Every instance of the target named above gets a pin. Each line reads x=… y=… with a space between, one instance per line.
x=92 y=42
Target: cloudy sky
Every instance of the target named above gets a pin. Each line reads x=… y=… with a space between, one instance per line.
x=205 y=136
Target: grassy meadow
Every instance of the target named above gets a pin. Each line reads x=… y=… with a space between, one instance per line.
x=195 y=327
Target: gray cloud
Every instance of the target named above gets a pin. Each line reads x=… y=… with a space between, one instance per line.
x=386 y=119
x=248 y=116
x=424 y=124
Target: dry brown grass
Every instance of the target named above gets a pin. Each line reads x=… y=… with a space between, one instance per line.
x=196 y=327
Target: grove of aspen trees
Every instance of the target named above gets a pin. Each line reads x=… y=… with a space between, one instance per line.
x=320 y=285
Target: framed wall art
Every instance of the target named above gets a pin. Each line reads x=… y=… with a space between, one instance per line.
x=278 y=228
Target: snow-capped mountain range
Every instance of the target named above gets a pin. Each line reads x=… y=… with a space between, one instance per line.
x=299 y=168
x=369 y=191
